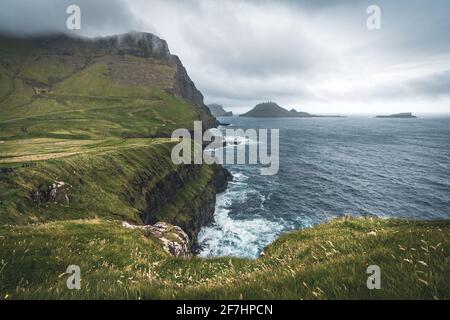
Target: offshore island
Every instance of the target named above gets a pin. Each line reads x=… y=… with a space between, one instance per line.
x=273 y=110
x=404 y=115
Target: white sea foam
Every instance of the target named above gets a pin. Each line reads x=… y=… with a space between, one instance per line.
x=239 y=177
x=230 y=236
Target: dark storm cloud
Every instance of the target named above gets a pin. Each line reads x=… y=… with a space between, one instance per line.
x=99 y=16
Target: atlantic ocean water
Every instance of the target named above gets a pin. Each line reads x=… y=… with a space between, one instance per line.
x=331 y=167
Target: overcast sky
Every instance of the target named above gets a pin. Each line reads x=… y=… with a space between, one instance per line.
x=316 y=56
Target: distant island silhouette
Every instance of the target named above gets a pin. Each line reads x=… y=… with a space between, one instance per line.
x=273 y=110
x=404 y=115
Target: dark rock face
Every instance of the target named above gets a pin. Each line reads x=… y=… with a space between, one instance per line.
x=222 y=177
x=139 y=44
x=218 y=111
x=57 y=192
x=201 y=210
x=186 y=88
x=165 y=189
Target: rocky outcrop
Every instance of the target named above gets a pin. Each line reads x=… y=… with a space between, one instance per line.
x=186 y=88
x=218 y=111
x=173 y=239
x=221 y=179
x=139 y=44
x=57 y=192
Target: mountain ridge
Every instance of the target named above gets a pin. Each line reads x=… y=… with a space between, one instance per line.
x=43 y=64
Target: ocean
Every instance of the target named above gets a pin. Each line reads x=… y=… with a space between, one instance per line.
x=330 y=167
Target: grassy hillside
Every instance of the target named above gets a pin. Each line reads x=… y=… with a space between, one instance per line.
x=325 y=262
x=67 y=88
x=83 y=132
x=110 y=179
x=94 y=115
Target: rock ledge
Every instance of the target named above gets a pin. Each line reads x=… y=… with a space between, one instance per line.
x=174 y=240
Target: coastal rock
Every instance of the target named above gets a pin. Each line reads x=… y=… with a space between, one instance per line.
x=174 y=240
x=221 y=179
x=57 y=192
x=218 y=111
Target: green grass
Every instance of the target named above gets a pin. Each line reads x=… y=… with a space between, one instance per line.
x=109 y=179
x=6 y=85
x=325 y=262
x=94 y=81
x=97 y=117
x=46 y=69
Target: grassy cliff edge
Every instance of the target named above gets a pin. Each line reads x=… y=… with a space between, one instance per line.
x=324 y=262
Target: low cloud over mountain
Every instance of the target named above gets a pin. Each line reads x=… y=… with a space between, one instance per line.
x=319 y=55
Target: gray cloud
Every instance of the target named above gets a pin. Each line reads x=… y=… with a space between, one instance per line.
x=313 y=53
x=98 y=17
x=437 y=85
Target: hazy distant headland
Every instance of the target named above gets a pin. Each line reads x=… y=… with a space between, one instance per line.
x=217 y=110
x=273 y=110
x=404 y=115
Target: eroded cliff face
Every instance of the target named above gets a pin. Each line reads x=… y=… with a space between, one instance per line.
x=140 y=186
x=161 y=200
x=186 y=88
x=139 y=44
x=178 y=203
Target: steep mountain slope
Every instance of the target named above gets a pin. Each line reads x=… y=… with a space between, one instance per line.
x=83 y=127
x=126 y=85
